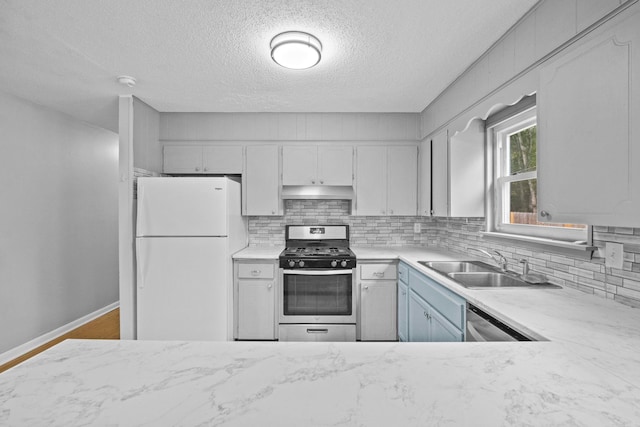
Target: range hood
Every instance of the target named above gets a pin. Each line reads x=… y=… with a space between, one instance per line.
x=317 y=192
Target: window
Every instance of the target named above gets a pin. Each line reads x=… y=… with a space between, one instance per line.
x=513 y=142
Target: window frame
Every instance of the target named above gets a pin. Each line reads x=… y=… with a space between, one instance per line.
x=498 y=183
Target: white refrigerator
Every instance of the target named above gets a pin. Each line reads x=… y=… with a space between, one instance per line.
x=187 y=229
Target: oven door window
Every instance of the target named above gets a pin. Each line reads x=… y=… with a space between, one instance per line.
x=310 y=295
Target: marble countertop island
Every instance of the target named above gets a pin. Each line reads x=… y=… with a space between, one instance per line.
x=128 y=383
x=587 y=373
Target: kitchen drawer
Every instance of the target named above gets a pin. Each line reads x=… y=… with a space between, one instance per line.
x=403 y=273
x=377 y=271
x=325 y=332
x=256 y=271
x=450 y=305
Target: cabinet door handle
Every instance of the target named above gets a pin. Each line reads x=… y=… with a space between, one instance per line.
x=273 y=212
x=206 y=169
x=321 y=182
x=378 y=274
x=313 y=181
x=197 y=169
x=255 y=272
x=544 y=214
x=366 y=287
x=404 y=293
x=391 y=211
x=383 y=212
x=269 y=285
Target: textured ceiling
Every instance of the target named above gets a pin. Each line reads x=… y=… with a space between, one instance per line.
x=207 y=55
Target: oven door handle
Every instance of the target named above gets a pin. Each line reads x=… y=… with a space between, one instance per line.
x=318 y=272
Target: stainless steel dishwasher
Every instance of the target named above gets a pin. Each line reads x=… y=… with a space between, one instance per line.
x=484 y=327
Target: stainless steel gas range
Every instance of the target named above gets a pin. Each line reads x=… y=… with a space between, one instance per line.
x=317 y=298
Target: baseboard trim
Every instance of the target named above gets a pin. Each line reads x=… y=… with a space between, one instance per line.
x=16 y=352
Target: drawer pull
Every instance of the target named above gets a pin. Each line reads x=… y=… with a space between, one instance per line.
x=255 y=272
x=317 y=331
x=379 y=274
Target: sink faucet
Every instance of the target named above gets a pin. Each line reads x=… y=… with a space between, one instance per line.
x=500 y=259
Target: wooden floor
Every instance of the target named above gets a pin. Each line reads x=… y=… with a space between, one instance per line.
x=106 y=326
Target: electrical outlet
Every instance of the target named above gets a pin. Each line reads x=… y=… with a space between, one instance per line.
x=614 y=254
x=416 y=227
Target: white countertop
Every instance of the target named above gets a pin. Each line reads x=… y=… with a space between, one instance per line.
x=587 y=374
x=259 y=252
x=130 y=383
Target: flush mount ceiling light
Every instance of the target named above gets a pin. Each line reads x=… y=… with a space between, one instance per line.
x=296 y=50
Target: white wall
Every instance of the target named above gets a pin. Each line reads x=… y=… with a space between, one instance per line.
x=289 y=126
x=58 y=220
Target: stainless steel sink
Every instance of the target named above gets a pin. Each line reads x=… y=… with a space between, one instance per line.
x=446 y=267
x=489 y=280
x=480 y=275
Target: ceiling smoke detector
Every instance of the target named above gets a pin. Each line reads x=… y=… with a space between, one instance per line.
x=296 y=50
x=127 y=81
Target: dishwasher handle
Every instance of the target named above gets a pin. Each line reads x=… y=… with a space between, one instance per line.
x=473 y=335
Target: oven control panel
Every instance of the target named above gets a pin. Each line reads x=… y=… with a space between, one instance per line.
x=326 y=264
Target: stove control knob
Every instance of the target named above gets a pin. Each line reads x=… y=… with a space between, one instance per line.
x=334 y=263
x=301 y=264
x=343 y=263
x=292 y=263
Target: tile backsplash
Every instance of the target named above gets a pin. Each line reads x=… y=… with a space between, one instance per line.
x=582 y=273
x=364 y=230
x=460 y=234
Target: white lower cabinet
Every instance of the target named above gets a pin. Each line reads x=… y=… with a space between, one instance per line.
x=255 y=291
x=377 y=293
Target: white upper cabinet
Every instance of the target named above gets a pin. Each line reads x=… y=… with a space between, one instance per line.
x=335 y=165
x=182 y=159
x=371 y=181
x=317 y=165
x=222 y=159
x=589 y=132
x=199 y=159
x=299 y=165
x=424 y=177
x=467 y=171
x=386 y=180
x=261 y=181
x=402 y=180
x=457 y=179
x=440 y=174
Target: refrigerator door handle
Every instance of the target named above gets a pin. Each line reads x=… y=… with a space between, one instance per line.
x=140 y=261
x=139 y=222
